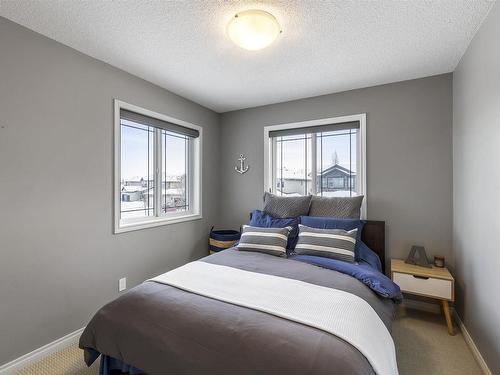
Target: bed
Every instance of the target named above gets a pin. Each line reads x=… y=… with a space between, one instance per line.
x=158 y=328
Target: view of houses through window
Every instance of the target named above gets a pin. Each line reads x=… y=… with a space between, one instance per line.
x=332 y=172
x=337 y=163
x=138 y=162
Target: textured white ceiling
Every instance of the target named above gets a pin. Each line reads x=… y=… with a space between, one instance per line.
x=326 y=46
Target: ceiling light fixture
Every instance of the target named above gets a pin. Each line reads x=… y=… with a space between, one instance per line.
x=253 y=29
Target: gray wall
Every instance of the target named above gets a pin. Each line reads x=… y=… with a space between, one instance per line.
x=59 y=261
x=409 y=157
x=476 y=150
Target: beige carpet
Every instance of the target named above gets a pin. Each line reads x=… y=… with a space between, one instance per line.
x=67 y=362
x=424 y=347
x=422 y=343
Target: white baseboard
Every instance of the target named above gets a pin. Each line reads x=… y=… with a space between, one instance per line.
x=40 y=353
x=472 y=346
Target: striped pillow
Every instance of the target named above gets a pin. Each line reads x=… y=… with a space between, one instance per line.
x=264 y=240
x=329 y=243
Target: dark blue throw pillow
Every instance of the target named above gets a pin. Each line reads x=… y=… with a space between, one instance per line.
x=335 y=223
x=261 y=219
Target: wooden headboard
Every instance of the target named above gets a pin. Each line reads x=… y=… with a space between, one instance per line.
x=373 y=236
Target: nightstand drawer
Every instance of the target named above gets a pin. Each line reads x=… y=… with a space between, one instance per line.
x=424 y=286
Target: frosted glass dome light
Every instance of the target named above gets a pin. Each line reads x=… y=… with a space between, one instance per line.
x=253 y=29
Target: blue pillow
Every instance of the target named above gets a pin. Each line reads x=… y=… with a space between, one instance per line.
x=261 y=219
x=335 y=223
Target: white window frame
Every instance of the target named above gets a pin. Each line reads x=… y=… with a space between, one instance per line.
x=194 y=177
x=361 y=145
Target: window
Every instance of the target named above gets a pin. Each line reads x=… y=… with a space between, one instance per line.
x=157 y=169
x=320 y=157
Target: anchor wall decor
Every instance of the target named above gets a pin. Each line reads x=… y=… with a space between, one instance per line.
x=242 y=168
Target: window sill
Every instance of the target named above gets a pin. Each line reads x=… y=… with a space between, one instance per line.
x=154 y=222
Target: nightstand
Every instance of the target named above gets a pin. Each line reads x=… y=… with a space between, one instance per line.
x=436 y=283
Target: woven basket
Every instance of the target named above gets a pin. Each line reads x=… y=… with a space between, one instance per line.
x=222 y=239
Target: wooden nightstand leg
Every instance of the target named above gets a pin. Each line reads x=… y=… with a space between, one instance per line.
x=447 y=315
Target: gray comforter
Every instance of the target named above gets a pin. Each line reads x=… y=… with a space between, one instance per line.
x=164 y=330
